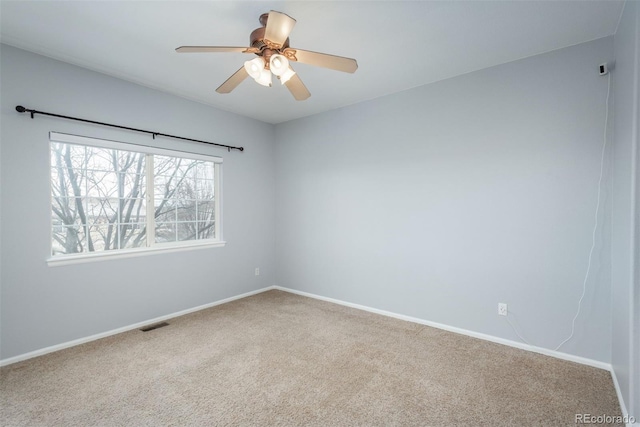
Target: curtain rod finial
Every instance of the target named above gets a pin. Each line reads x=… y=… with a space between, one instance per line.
x=20 y=109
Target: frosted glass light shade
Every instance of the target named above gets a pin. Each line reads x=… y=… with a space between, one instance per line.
x=284 y=77
x=278 y=64
x=255 y=67
x=264 y=78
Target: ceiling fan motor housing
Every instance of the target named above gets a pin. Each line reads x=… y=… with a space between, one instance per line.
x=256 y=40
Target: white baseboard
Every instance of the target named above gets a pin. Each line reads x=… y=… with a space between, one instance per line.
x=623 y=407
x=138 y=325
x=547 y=352
x=552 y=353
x=503 y=341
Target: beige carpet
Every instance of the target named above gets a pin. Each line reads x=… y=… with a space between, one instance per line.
x=281 y=359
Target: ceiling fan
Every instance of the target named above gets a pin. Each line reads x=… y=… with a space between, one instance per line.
x=271 y=44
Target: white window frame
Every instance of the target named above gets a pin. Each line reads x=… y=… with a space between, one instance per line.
x=153 y=247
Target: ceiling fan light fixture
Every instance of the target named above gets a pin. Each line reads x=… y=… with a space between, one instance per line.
x=286 y=75
x=278 y=64
x=255 y=67
x=270 y=43
x=264 y=78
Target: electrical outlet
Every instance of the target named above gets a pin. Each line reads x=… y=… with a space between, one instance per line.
x=257 y=271
x=502 y=309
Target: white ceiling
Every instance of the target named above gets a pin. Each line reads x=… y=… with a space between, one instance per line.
x=398 y=44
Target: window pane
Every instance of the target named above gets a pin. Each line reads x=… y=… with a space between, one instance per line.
x=112 y=183
x=66 y=182
x=102 y=210
x=132 y=185
x=133 y=235
x=204 y=189
x=68 y=239
x=188 y=168
x=67 y=155
x=130 y=162
x=206 y=210
x=163 y=188
x=186 y=189
x=64 y=210
x=186 y=231
x=186 y=210
x=166 y=166
x=183 y=191
x=100 y=159
x=166 y=211
x=101 y=183
x=132 y=210
x=205 y=170
x=165 y=232
x=102 y=237
x=67 y=170
x=206 y=230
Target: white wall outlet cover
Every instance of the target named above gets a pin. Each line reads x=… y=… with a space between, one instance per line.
x=502 y=309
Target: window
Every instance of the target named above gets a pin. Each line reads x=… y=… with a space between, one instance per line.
x=110 y=197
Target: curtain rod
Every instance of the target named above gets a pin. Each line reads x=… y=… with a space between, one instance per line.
x=21 y=109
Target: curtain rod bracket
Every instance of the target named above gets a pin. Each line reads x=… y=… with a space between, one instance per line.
x=21 y=109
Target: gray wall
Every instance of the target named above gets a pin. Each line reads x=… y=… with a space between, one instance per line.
x=441 y=201
x=624 y=309
x=43 y=306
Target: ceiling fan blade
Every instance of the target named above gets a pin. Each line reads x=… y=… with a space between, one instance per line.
x=297 y=88
x=197 y=49
x=339 y=63
x=279 y=26
x=233 y=81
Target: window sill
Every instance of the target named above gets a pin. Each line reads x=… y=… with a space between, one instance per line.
x=130 y=253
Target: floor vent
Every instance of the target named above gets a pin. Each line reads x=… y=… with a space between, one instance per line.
x=154 y=326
